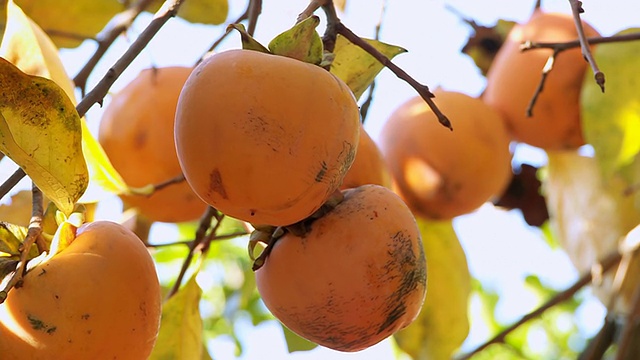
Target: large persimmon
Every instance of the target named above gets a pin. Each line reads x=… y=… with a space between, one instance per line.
x=265 y=138
x=136 y=132
x=99 y=298
x=514 y=76
x=368 y=167
x=441 y=173
x=356 y=277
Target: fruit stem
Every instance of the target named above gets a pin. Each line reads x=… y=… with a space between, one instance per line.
x=34 y=231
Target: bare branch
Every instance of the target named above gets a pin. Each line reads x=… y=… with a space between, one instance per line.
x=168 y=10
x=119 y=24
x=422 y=90
x=576 y=9
x=11 y=182
x=34 y=231
x=606 y=264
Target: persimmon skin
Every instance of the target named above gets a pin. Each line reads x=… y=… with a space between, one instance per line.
x=441 y=173
x=514 y=76
x=136 y=132
x=368 y=167
x=357 y=277
x=97 y=299
x=265 y=138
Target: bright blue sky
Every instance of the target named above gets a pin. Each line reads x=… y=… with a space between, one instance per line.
x=501 y=249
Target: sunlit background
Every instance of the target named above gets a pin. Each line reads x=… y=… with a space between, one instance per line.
x=502 y=251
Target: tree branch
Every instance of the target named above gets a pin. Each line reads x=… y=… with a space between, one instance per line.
x=34 y=231
x=11 y=182
x=606 y=264
x=364 y=108
x=576 y=10
x=119 y=24
x=422 y=90
x=168 y=10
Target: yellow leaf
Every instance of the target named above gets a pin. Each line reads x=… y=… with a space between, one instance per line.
x=443 y=324
x=356 y=67
x=25 y=45
x=213 y=12
x=589 y=216
x=69 y=21
x=40 y=131
x=180 y=334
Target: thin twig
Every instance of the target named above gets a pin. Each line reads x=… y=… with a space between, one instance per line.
x=176 y=180
x=576 y=10
x=331 y=31
x=606 y=264
x=168 y=10
x=598 y=346
x=244 y=16
x=422 y=90
x=119 y=24
x=11 y=182
x=626 y=336
x=548 y=66
x=255 y=8
x=201 y=232
x=190 y=242
x=33 y=232
x=364 y=108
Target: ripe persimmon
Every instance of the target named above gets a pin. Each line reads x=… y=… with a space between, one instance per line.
x=356 y=277
x=514 y=76
x=265 y=138
x=99 y=298
x=136 y=132
x=368 y=167
x=441 y=173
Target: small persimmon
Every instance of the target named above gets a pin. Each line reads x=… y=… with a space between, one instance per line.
x=368 y=167
x=265 y=138
x=514 y=76
x=355 y=278
x=99 y=298
x=136 y=132
x=441 y=173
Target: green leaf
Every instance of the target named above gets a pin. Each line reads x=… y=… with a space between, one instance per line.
x=611 y=120
x=40 y=130
x=84 y=18
x=443 y=323
x=248 y=42
x=301 y=42
x=295 y=342
x=356 y=67
x=181 y=333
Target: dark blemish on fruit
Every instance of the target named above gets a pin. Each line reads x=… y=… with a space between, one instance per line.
x=322 y=172
x=252 y=212
x=42 y=272
x=140 y=140
x=215 y=183
x=38 y=324
x=85 y=316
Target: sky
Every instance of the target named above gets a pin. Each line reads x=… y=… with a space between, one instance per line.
x=501 y=249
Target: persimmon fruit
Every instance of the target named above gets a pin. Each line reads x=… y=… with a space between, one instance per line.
x=136 y=132
x=514 y=76
x=265 y=138
x=368 y=167
x=99 y=298
x=356 y=277
x=440 y=173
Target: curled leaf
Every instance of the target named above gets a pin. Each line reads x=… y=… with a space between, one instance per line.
x=248 y=42
x=40 y=131
x=301 y=42
x=356 y=67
